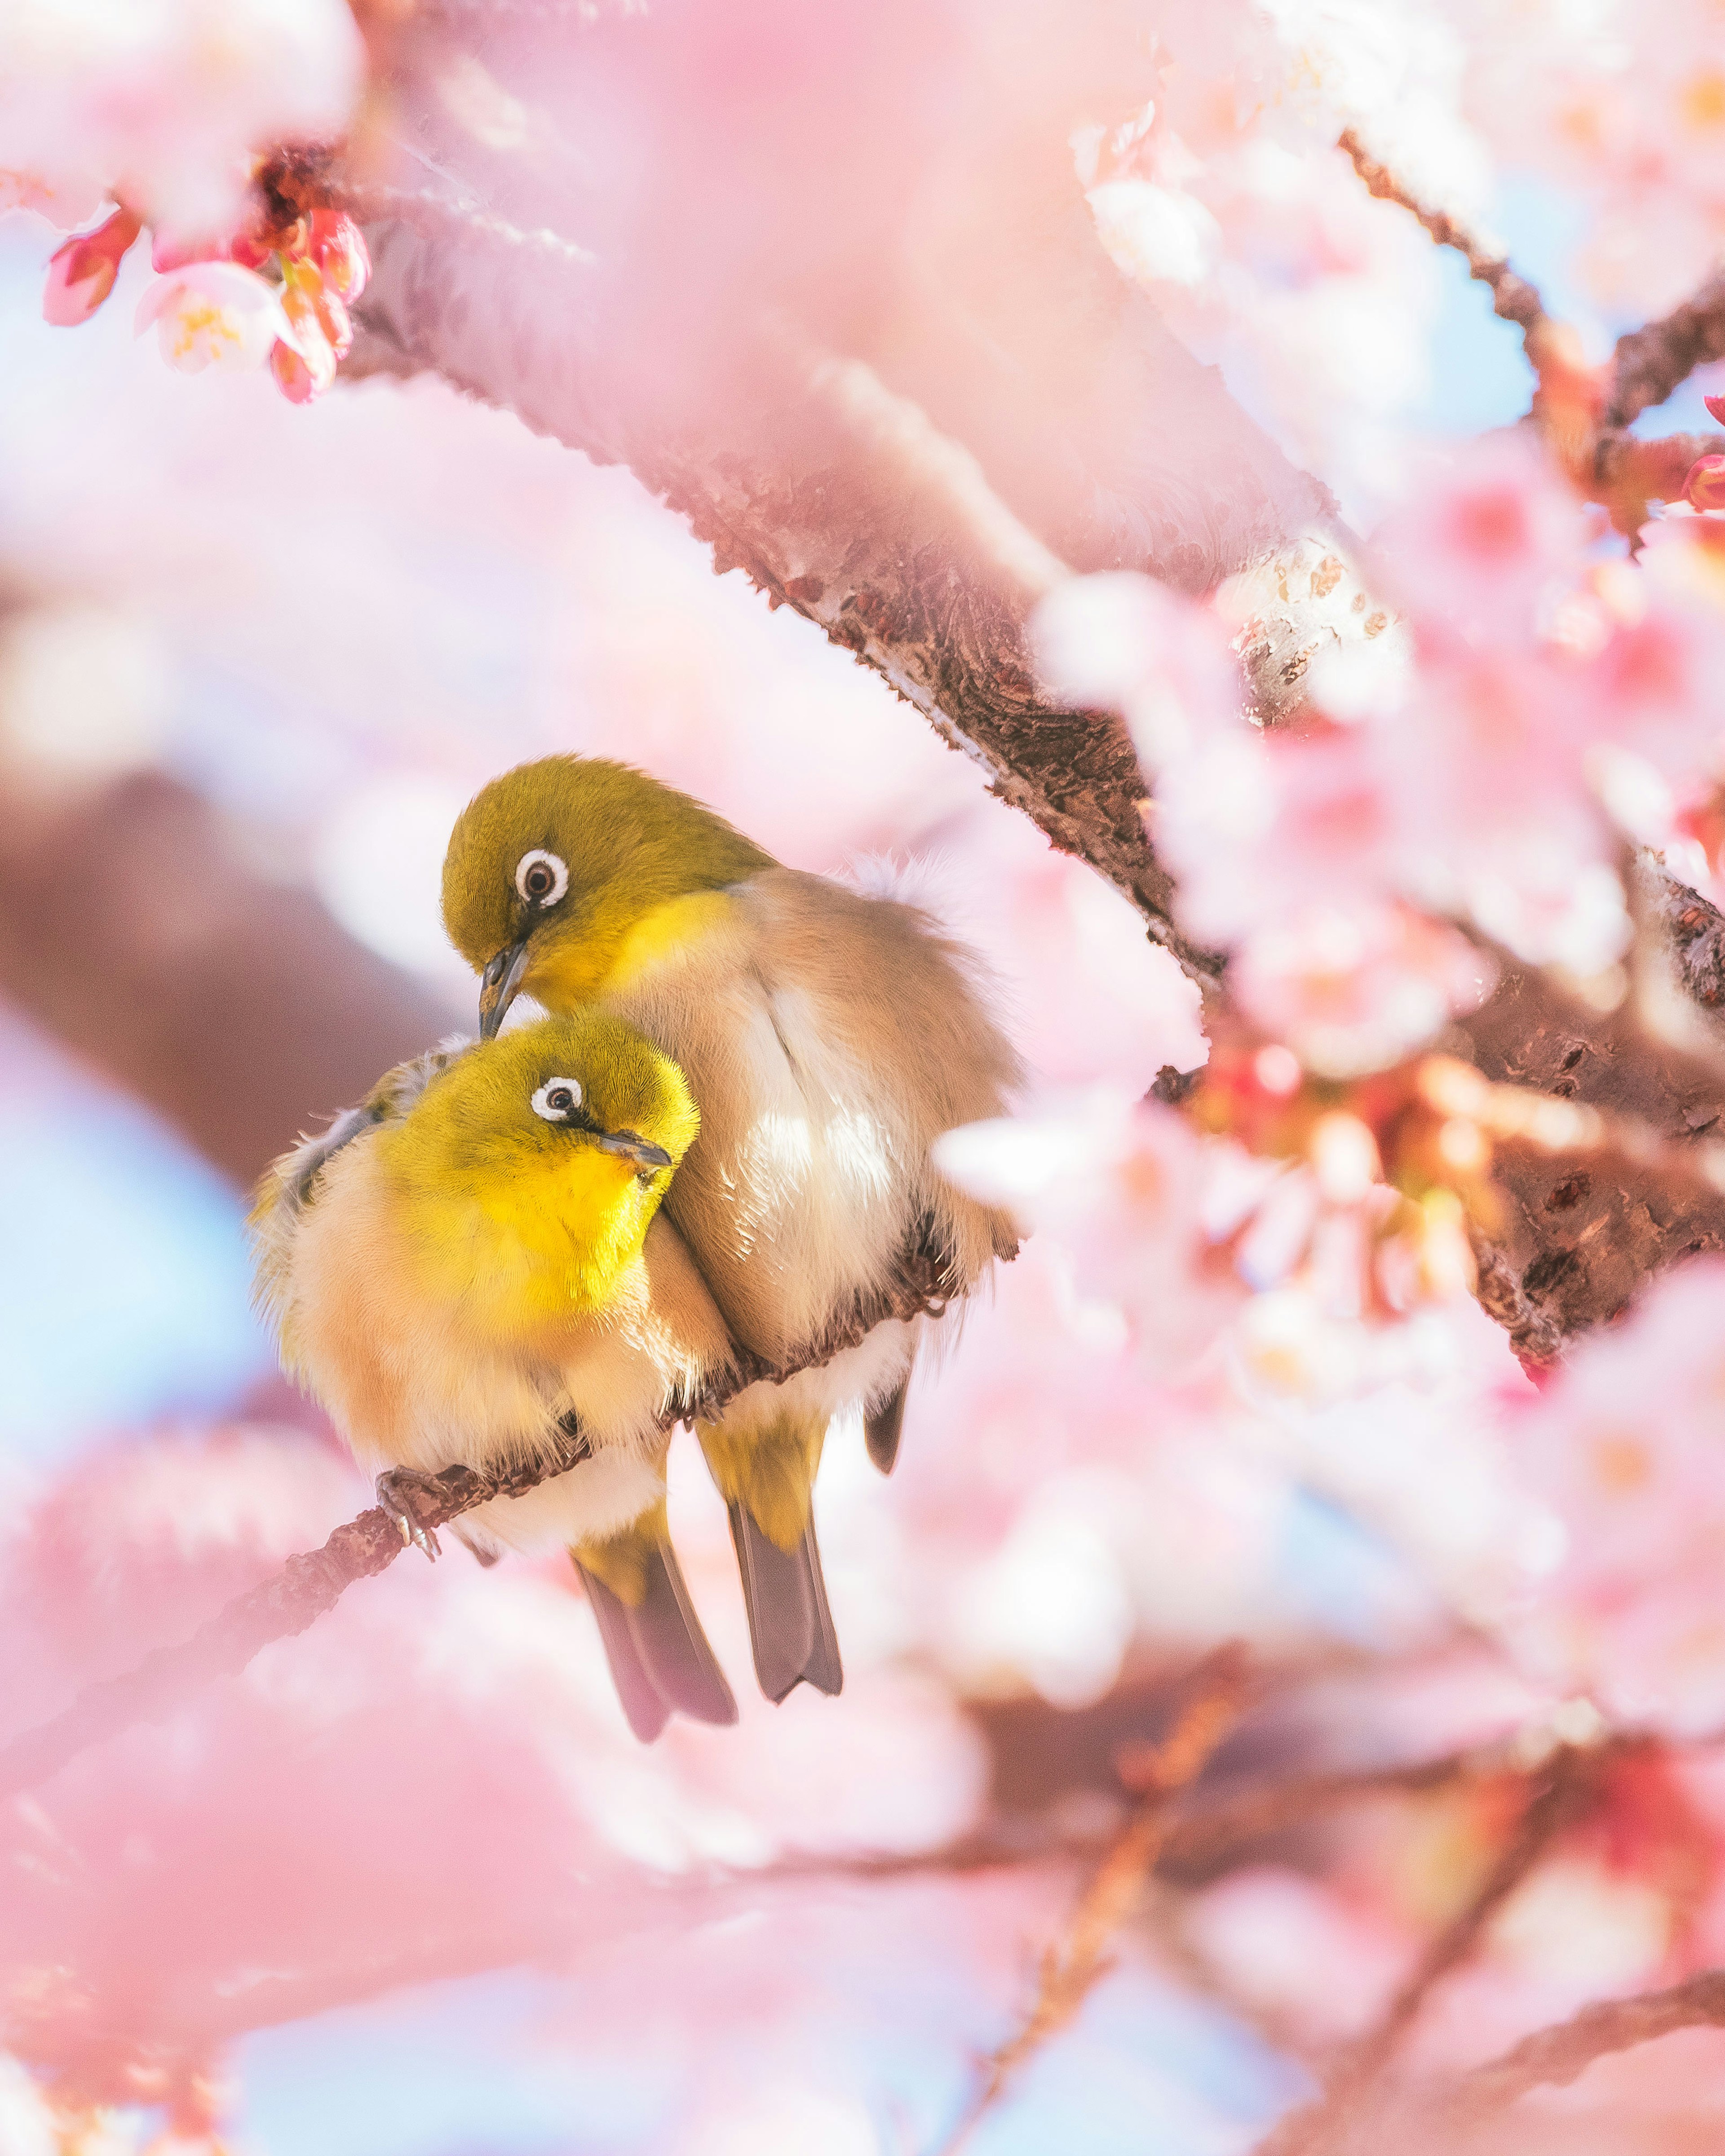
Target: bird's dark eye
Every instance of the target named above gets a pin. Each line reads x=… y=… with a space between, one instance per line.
x=557 y=1099
x=540 y=877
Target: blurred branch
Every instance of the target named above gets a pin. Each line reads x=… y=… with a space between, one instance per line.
x=1072 y=1964
x=1579 y=1236
x=310 y=1584
x=138 y=925
x=1554 y=2057
x=1649 y=362
x=305 y=1587
x=1568 y=1784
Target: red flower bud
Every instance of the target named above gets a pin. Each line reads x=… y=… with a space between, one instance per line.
x=292 y=378
x=81 y=274
x=1716 y=405
x=304 y=373
x=1705 y=486
x=338 y=248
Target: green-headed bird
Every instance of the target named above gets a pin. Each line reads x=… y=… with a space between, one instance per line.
x=830 y=1038
x=477 y=1254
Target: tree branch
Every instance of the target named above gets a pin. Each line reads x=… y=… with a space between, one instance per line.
x=1512 y=295
x=1583 y=417
x=231 y=1003
x=1649 y=362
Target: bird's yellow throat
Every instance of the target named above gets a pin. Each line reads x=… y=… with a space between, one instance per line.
x=525 y=1246
x=623 y=944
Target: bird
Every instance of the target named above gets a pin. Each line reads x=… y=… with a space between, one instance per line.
x=477 y=1255
x=829 y=1035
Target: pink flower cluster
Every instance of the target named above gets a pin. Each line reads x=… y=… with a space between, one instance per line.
x=1296 y=1257
x=213 y=304
x=1481 y=760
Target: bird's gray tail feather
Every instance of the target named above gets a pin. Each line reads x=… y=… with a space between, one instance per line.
x=884 y=1425
x=660 y=1659
x=790 y=1625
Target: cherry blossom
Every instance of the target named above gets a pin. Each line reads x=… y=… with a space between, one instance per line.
x=1353 y=988
x=1705 y=486
x=214 y=314
x=1124 y=1186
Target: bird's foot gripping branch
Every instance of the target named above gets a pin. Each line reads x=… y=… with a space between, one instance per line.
x=309 y=1584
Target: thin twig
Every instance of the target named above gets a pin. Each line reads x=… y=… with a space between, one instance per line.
x=1512 y=295
x=1581 y=411
x=1322 y=2123
x=1554 y=2057
x=1072 y=1964
x=312 y=1583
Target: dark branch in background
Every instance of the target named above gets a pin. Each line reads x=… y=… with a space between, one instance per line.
x=309 y=1584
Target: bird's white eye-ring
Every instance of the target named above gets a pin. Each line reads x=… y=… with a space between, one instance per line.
x=557 y=1100
x=541 y=878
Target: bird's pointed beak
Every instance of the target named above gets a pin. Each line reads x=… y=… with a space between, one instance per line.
x=646 y=1158
x=499 y=985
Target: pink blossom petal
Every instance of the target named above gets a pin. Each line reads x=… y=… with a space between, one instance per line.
x=64 y=199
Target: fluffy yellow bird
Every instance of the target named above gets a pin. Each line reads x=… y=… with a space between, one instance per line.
x=478 y=1254
x=829 y=1038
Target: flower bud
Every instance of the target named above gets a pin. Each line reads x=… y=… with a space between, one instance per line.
x=303 y=363
x=1705 y=486
x=337 y=245
x=81 y=274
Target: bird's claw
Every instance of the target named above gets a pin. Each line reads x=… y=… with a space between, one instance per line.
x=399 y=1489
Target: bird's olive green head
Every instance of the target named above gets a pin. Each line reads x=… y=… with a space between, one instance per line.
x=530 y=1169
x=562 y=874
